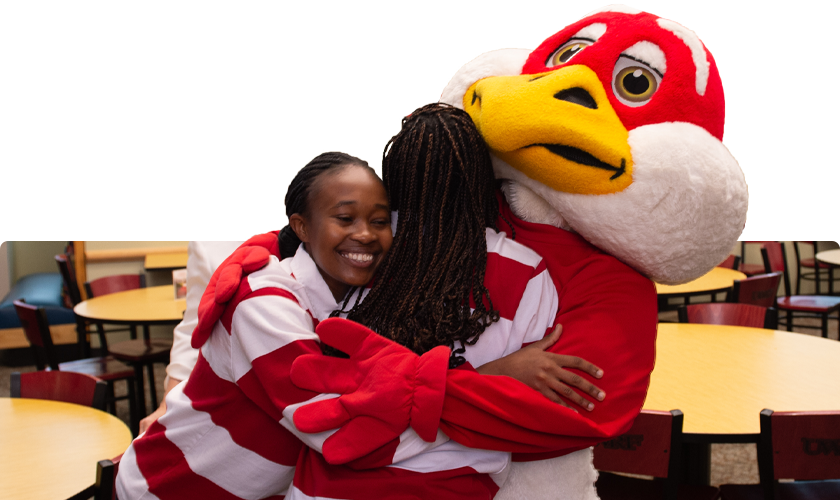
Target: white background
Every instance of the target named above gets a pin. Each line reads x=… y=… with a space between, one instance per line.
x=173 y=120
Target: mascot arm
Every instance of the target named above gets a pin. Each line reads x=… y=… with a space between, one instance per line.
x=609 y=317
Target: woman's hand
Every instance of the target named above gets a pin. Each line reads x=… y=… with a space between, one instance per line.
x=546 y=372
x=152 y=417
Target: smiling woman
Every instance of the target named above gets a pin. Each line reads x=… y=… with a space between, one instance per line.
x=347 y=226
x=220 y=435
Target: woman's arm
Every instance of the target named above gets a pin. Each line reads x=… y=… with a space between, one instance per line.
x=609 y=317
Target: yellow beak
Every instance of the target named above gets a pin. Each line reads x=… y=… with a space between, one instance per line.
x=557 y=128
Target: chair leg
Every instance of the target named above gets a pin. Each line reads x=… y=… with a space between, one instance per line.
x=152 y=385
x=133 y=414
x=112 y=403
x=798 y=277
x=816 y=276
x=141 y=390
x=103 y=341
x=81 y=336
x=825 y=325
x=133 y=331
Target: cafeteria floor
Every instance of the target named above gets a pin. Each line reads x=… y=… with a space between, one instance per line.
x=731 y=463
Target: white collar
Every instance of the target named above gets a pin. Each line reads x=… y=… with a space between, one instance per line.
x=321 y=300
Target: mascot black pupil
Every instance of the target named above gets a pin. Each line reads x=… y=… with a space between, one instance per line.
x=636 y=84
x=567 y=54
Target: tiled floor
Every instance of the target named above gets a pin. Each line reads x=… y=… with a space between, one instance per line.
x=731 y=463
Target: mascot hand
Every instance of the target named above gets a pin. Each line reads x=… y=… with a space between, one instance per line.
x=224 y=283
x=385 y=389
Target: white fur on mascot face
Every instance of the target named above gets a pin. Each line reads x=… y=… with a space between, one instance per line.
x=683 y=201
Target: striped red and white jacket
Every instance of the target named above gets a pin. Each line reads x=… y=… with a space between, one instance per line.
x=225 y=434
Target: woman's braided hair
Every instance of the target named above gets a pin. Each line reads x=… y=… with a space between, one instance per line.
x=298 y=194
x=439 y=178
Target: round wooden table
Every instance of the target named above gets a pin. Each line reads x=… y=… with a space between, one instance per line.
x=721 y=377
x=829 y=256
x=719 y=279
x=144 y=306
x=49 y=450
x=832 y=258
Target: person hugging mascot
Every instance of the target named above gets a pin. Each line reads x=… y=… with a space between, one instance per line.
x=607 y=140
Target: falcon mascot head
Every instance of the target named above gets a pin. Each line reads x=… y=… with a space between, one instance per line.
x=612 y=128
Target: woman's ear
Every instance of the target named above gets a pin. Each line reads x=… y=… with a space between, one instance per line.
x=298 y=225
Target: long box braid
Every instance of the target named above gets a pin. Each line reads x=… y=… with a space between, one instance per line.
x=438 y=175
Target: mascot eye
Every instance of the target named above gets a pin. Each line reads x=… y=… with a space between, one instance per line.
x=634 y=82
x=567 y=51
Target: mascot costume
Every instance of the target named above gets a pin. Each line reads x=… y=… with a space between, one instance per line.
x=607 y=138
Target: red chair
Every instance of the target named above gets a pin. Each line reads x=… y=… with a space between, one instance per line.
x=34 y=323
x=730 y=262
x=797 y=306
x=112 y=284
x=803 y=446
x=747 y=268
x=139 y=353
x=808 y=268
x=726 y=313
x=758 y=290
x=652 y=447
x=69 y=387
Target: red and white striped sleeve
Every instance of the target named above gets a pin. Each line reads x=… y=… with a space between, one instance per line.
x=524 y=294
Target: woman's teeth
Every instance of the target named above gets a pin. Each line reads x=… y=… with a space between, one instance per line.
x=359 y=257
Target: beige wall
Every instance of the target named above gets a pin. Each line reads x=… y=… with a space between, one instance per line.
x=29 y=257
x=100 y=269
x=5 y=278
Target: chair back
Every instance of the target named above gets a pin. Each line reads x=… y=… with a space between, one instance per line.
x=68 y=275
x=115 y=283
x=33 y=320
x=798 y=445
x=652 y=447
x=758 y=290
x=775 y=260
x=106 y=475
x=727 y=313
x=730 y=262
x=69 y=387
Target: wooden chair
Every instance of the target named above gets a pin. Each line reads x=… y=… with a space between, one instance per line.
x=803 y=446
x=809 y=269
x=68 y=275
x=727 y=313
x=731 y=262
x=652 y=447
x=139 y=353
x=111 y=284
x=748 y=268
x=758 y=290
x=797 y=306
x=103 y=488
x=34 y=323
x=69 y=387
x=106 y=474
